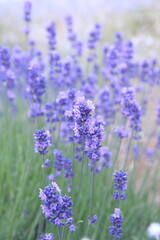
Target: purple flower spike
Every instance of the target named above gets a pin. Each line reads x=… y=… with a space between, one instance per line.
x=116 y=221
x=42 y=141
x=47 y=236
x=132 y=110
x=82 y=114
x=120 y=179
x=120 y=183
x=27 y=11
x=55 y=206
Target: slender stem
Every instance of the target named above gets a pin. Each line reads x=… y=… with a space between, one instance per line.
x=63 y=233
x=59 y=233
x=92 y=191
x=80 y=183
x=73 y=164
x=128 y=150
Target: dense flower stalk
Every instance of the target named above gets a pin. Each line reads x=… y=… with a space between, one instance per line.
x=55 y=206
x=120 y=183
x=62 y=163
x=93 y=142
x=82 y=115
x=27 y=11
x=132 y=109
x=42 y=141
x=116 y=221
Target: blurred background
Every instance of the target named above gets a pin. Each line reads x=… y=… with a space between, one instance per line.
x=137 y=19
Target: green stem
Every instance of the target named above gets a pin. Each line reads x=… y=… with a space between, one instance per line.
x=128 y=150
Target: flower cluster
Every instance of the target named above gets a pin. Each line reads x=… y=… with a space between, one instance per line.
x=116 y=221
x=47 y=236
x=27 y=11
x=42 y=141
x=63 y=163
x=120 y=183
x=106 y=157
x=36 y=84
x=94 y=137
x=121 y=132
x=55 y=206
x=82 y=113
x=132 y=109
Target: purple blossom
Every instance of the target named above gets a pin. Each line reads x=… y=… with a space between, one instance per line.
x=36 y=84
x=120 y=183
x=51 y=177
x=51 y=31
x=62 y=163
x=72 y=227
x=116 y=221
x=93 y=142
x=27 y=11
x=93 y=219
x=55 y=206
x=47 y=236
x=42 y=141
x=46 y=164
x=106 y=106
x=94 y=36
x=149 y=152
x=82 y=113
x=132 y=109
x=121 y=132
x=106 y=157
x=4 y=57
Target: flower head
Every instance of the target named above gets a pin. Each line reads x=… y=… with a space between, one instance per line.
x=116 y=221
x=120 y=183
x=47 y=236
x=42 y=141
x=55 y=206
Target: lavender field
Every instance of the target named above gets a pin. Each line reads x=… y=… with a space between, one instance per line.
x=80 y=121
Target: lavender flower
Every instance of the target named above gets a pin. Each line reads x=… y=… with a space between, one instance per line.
x=94 y=36
x=42 y=141
x=106 y=157
x=93 y=219
x=51 y=36
x=121 y=132
x=36 y=84
x=4 y=57
x=72 y=228
x=120 y=183
x=55 y=206
x=116 y=221
x=82 y=112
x=63 y=163
x=106 y=105
x=27 y=11
x=51 y=177
x=93 y=141
x=47 y=236
x=132 y=109
x=46 y=164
